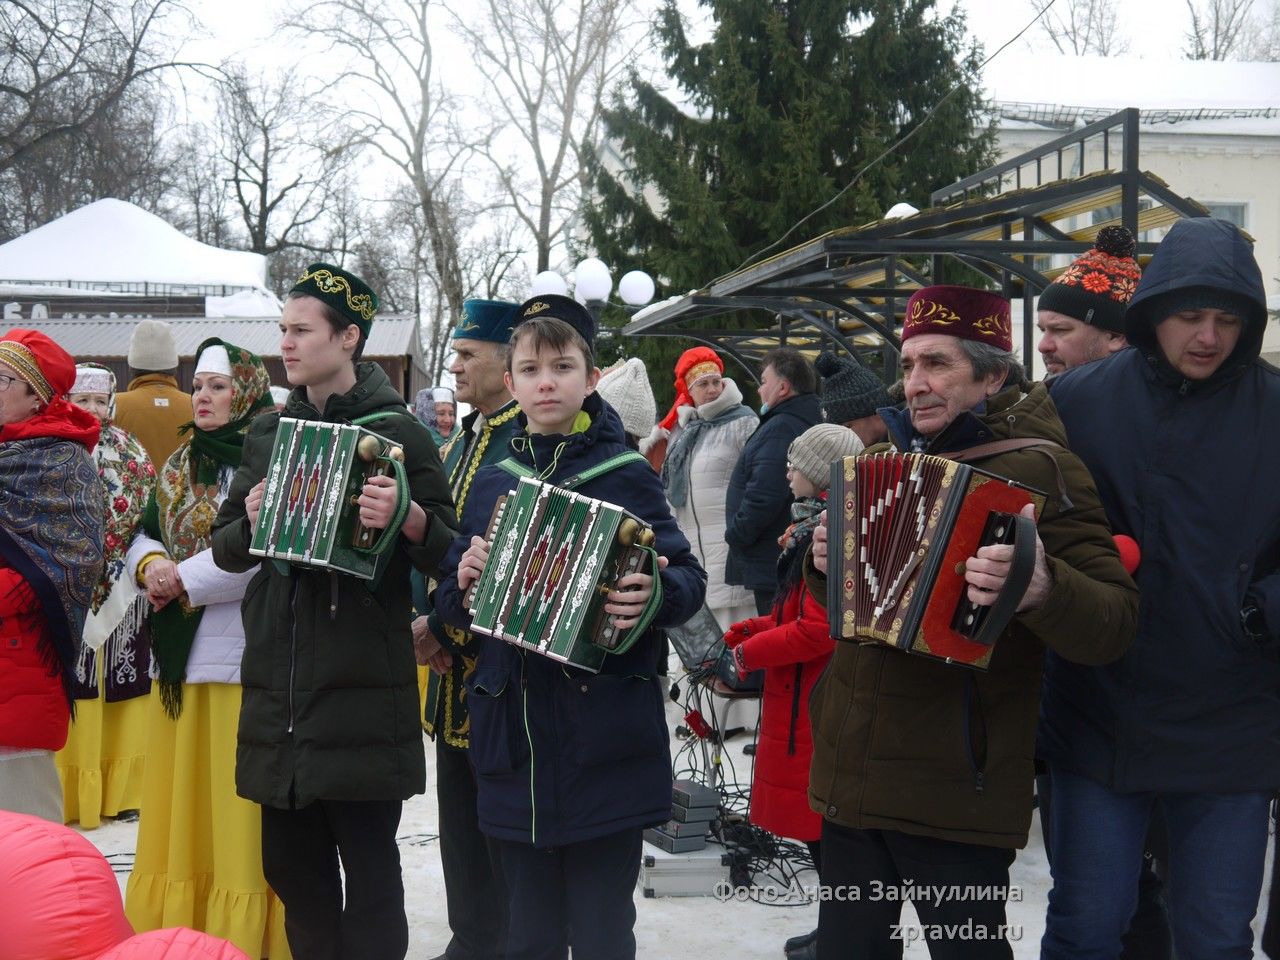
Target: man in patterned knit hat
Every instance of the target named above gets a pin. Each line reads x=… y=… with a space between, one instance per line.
x=1081 y=319
x=1081 y=314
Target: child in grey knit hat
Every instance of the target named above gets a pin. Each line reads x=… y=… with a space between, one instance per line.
x=811 y=454
x=792 y=644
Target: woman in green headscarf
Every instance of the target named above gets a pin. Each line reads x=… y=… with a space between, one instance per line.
x=190 y=807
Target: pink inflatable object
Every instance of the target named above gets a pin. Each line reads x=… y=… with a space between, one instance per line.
x=177 y=943
x=61 y=901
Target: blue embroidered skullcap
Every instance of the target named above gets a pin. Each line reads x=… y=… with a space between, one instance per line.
x=489 y=320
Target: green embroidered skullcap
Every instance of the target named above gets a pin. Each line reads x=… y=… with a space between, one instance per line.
x=342 y=290
x=489 y=320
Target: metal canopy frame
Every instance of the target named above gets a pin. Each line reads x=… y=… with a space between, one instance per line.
x=847 y=289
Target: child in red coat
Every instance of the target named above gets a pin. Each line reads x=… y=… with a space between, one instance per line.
x=792 y=644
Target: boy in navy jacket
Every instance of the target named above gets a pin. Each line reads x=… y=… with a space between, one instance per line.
x=570 y=765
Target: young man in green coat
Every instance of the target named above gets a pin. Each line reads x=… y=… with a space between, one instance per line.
x=330 y=742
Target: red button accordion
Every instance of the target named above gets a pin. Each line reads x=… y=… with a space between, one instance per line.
x=901 y=526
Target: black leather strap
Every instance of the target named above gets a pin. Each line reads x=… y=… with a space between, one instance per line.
x=1021 y=569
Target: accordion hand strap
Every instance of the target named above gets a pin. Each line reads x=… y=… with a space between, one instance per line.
x=1021 y=569
x=388 y=534
x=651 y=608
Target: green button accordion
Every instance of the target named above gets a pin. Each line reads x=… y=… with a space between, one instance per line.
x=553 y=556
x=309 y=515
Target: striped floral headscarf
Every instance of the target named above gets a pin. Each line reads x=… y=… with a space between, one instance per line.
x=188 y=494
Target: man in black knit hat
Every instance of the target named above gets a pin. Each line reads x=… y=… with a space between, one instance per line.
x=851 y=397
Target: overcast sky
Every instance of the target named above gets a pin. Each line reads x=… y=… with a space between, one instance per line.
x=249 y=30
x=1154 y=28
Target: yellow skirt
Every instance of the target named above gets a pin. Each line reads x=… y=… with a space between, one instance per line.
x=102 y=764
x=199 y=857
x=424 y=675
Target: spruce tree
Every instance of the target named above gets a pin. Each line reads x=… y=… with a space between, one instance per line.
x=768 y=120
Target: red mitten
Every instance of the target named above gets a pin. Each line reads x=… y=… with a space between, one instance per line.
x=739 y=661
x=737 y=633
x=1130 y=553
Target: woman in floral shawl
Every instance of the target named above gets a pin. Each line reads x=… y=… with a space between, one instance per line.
x=199 y=861
x=50 y=559
x=102 y=763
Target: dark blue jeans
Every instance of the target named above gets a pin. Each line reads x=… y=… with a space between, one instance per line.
x=1217 y=846
x=1148 y=935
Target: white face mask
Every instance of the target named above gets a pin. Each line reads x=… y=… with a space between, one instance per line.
x=764 y=408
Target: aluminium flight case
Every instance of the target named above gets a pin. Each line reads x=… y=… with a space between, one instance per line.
x=695 y=874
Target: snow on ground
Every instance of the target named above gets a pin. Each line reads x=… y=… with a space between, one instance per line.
x=672 y=928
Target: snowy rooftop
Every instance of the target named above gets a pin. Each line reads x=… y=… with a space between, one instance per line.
x=114 y=242
x=1201 y=96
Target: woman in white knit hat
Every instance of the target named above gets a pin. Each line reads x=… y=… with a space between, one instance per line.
x=625 y=387
x=437 y=408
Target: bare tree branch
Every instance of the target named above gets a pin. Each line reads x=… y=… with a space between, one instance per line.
x=279 y=161
x=1217 y=28
x=546 y=65
x=1080 y=27
x=1262 y=42
x=68 y=63
x=404 y=113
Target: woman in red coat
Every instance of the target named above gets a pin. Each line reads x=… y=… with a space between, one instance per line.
x=51 y=532
x=792 y=644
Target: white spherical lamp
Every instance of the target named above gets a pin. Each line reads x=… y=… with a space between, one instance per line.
x=636 y=288
x=548 y=281
x=592 y=280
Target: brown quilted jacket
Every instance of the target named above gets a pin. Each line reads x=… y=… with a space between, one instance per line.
x=903 y=742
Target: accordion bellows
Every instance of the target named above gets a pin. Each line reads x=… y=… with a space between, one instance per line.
x=309 y=515
x=901 y=527
x=553 y=556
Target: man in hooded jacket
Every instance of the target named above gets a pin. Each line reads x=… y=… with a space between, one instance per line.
x=1174 y=431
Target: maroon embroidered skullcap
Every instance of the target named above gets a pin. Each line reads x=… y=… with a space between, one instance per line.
x=963 y=312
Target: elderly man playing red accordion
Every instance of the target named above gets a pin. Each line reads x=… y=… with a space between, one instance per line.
x=922 y=769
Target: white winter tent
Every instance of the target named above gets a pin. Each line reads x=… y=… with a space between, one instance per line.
x=114 y=247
